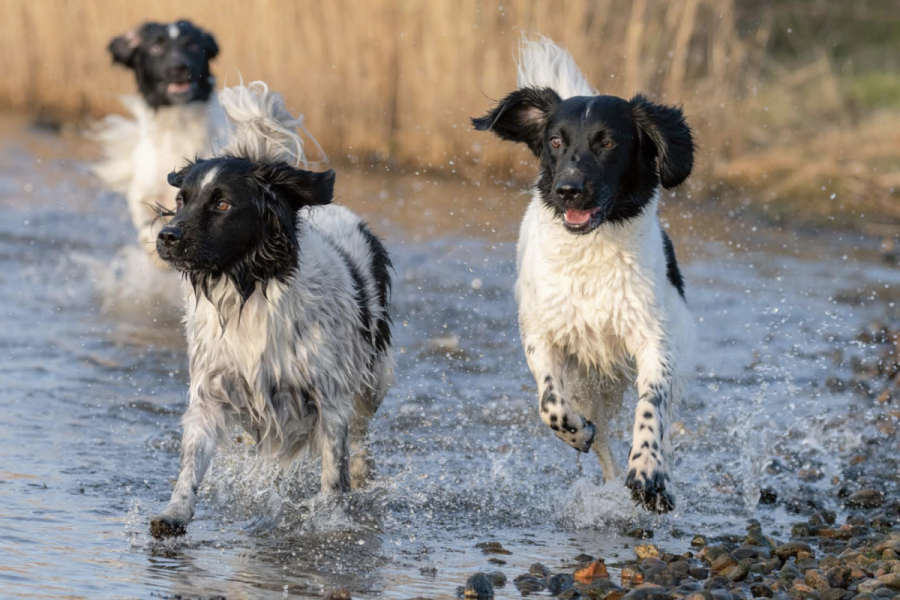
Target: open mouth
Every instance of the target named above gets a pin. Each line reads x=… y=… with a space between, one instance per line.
x=178 y=88
x=582 y=221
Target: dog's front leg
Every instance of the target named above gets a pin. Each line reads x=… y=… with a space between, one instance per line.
x=557 y=412
x=648 y=461
x=204 y=425
x=334 y=446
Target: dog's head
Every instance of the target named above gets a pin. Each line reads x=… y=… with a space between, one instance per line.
x=170 y=61
x=238 y=218
x=602 y=157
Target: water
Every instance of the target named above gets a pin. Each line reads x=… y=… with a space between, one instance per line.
x=93 y=380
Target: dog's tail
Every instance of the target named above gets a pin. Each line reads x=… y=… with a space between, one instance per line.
x=261 y=128
x=542 y=63
x=117 y=137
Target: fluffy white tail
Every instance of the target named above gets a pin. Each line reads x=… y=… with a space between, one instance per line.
x=542 y=63
x=261 y=128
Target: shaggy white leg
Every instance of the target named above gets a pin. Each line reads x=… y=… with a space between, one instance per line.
x=648 y=461
x=203 y=427
x=557 y=411
x=334 y=446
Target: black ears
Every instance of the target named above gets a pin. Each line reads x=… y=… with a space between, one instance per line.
x=124 y=48
x=209 y=45
x=205 y=38
x=176 y=178
x=665 y=136
x=521 y=117
x=300 y=188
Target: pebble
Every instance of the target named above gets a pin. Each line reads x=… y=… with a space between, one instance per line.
x=592 y=571
x=646 y=550
x=478 y=586
x=891 y=580
x=560 y=583
x=492 y=548
x=496 y=578
x=338 y=594
x=640 y=533
x=699 y=541
x=792 y=549
x=527 y=584
x=868 y=498
x=539 y=571
x=647 y=593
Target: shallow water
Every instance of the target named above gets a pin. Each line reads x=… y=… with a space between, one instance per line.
x=93 y=381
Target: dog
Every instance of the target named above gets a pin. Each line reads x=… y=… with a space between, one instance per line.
x=601 y=299
x=287 y=294
x=175 y=118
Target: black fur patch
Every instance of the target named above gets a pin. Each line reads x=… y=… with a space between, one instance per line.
x=359 y=290
x=672 y=270
x=381 y=266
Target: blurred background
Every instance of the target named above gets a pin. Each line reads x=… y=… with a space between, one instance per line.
x=787 y=234
x=796 y=103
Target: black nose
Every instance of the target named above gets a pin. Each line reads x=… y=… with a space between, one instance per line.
x=180 y=72
x=569 y=190
x=170 y=236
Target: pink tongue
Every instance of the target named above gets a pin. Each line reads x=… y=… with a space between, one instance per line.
x=578 y=217
x=175 y=88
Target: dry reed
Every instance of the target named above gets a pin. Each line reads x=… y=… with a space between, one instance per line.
x=387 y=80
x=396 y=81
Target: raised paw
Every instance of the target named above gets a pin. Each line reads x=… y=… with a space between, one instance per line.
x=163 y=526
x=649 y=490
x=579 y=438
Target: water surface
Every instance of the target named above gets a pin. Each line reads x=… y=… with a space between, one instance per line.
x=93 y=380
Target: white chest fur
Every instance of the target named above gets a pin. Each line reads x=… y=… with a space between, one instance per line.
x=591 y=295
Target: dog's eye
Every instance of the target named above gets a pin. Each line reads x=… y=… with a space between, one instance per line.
x=608 y=144
x=179 y=202
x=223 y=206
x=156 y=49
x=555 y=142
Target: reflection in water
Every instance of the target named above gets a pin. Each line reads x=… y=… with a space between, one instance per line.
x=93 y=382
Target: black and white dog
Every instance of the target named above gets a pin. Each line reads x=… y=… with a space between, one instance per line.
x=601 y=299
x=287 y=304
x=176 y=117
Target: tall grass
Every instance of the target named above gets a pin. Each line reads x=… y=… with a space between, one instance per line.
x=396 y=81
x=389 y=80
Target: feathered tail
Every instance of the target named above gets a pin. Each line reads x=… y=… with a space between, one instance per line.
x=261 y=128
x=541 y=63
x=117 y=137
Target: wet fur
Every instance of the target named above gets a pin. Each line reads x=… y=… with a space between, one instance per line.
x=601 y=305
x=288 y=326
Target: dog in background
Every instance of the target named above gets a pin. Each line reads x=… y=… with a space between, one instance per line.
x=601 y=299
x=175 y=118
x=287 y=305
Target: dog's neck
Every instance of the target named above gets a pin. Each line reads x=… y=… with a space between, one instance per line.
x=619 y=240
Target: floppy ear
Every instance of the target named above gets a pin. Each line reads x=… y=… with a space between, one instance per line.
x=124 y=48
x=209 y=45
x=176 y=178
x=669 y=138
x=300 y=188
x=206 y=39
x=521 y=117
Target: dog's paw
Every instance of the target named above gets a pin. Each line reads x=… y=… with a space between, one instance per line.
x=164 y=526
x=648 y=489
x=581 y=438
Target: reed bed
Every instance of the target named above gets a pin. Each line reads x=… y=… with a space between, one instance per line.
x=387 y=80
x=396 y=82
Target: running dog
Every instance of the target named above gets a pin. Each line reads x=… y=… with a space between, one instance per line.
x=287 y=304
x=601 y=299
x=175 y=118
